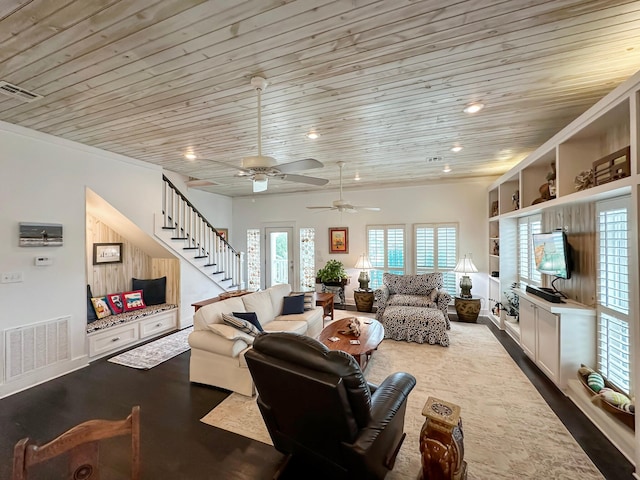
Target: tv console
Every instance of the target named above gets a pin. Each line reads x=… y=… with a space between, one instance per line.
x=549 y=294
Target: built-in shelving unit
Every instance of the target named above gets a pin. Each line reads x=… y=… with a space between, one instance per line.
x=547 y=183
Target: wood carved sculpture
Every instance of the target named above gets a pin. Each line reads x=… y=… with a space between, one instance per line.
x=353 y=328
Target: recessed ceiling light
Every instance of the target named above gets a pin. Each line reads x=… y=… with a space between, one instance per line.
x=446 y=169
x=313 y=135
x=456 y=148
x=190 y=156
x=357 y=177
x=473 y=107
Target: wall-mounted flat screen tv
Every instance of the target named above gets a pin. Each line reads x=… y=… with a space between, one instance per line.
x=552 y=254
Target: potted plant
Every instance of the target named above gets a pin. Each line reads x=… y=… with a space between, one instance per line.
x=333 y=273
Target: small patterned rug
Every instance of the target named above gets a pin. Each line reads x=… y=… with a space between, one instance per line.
x=509 y=430
x=152 y=354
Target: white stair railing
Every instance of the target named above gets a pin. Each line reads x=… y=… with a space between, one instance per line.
x=200 y=237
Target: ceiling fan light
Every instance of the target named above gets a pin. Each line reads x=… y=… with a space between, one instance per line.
x=260 y=182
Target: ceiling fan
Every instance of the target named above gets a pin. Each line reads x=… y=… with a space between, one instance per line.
x=259 y=168
x=342 y=205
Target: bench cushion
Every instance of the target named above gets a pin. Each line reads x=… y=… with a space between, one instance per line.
x=125 y=317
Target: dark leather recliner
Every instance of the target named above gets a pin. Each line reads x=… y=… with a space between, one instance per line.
x=319 y=408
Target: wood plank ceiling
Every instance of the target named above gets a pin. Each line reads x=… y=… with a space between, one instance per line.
x=383 y=82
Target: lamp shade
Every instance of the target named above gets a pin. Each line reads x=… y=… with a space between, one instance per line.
x=465 y=265
x=363 y=262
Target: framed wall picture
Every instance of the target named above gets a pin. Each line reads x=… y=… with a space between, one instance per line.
x=107 y=253
x=40 y=234
x=339 y=240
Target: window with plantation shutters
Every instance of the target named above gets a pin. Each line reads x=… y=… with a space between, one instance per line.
x=436 y=250
x=527 y=226
x=612 y=277
x=386 y=251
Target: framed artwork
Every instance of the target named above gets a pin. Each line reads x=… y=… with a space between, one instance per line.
x=339 y=240
x=224 y=233
x=107 y=253
x=40 y=234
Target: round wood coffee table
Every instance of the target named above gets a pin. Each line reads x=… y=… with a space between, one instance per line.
x=371 y=334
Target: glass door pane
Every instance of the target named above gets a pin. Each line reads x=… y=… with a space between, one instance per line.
x=279 y=256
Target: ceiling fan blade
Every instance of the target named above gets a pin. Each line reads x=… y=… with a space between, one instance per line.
x=234 y=167
x=306 y=164
x=304 y=179
x=372 y=209
x=321 y=208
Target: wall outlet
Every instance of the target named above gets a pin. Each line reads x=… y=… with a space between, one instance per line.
x=11 y=277
x=40 y=261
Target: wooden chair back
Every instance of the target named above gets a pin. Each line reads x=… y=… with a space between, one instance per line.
x=81 y=445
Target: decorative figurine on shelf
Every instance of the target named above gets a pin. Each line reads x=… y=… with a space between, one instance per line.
x=515 y=199
x=551 y=180
x=583 y=180
x=544 y=194
x=496 y=248
x=494 y=209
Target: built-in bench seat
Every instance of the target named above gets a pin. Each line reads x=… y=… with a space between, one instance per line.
x=113 y=320
x=113 y=333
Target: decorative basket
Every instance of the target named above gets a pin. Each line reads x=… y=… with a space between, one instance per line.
x=627 y=418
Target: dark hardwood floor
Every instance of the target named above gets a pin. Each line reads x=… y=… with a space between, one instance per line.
x=176 y=445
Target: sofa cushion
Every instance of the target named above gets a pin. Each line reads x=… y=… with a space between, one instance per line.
x=250 y=317
x=242 y=325
x=401 y=299
x=293 y=326
x=412 y=284
x=278 y=292
x=309 y=298
x=260 y=302
x=231 y=333
x=212 y=313
x=293 y=304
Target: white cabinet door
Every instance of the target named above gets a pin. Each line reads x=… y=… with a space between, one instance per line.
x=548 y=353
x=528 y=327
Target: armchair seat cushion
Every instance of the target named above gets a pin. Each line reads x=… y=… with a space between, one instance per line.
x=415 y=324
x=401 y=299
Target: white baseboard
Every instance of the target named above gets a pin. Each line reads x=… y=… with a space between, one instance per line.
x=29 y=380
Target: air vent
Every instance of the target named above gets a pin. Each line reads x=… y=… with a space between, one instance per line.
x=434 y=159
x=14 y=91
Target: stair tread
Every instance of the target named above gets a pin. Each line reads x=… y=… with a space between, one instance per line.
x=169 y=228
x=190 y=248
x=201 y=256
x=210 y=265
x=179 y=238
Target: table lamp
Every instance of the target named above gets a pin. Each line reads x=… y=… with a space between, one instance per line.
x=464 y=266
x=364 y=264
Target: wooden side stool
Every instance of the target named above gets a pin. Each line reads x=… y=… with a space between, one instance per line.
x=441 y=442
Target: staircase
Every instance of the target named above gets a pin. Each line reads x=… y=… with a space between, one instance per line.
x=185 y=230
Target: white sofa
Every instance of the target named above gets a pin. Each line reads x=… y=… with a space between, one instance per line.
x=219 y=361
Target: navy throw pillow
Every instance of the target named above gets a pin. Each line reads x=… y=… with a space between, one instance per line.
x=154 y=291
x=293 y=304
x=249 y=317
x=91 y=312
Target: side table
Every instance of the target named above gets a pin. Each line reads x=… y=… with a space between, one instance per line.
x=467 y=308
x=325 y=300
x=364 y=300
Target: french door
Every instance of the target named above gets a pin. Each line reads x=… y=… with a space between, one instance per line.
x=279 y=261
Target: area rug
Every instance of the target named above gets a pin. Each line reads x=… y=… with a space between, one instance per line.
x=152 y=354
x=509 y=430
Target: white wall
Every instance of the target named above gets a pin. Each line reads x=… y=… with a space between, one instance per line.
x=44 y=180
x=462 y=202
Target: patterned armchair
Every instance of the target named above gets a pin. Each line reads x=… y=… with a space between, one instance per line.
x=414 y=307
